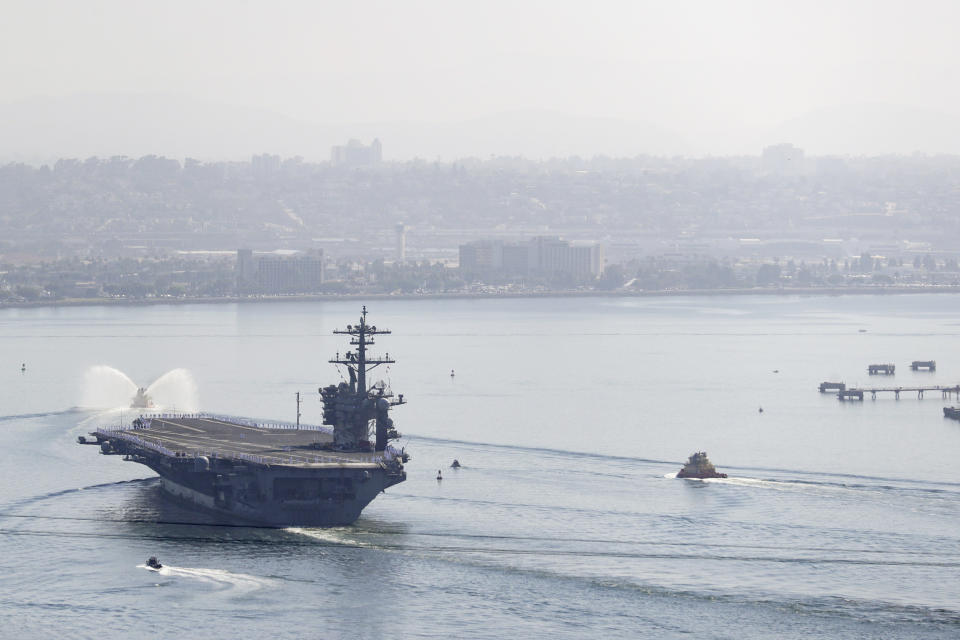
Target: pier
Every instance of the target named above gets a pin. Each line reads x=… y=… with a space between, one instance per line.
x=850 y=394
x=858 y=393
x=886 y=369
x=928 y=365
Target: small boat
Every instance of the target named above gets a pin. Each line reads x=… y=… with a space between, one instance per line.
x=456 y=464
x=951 y=412
x=699 y=466
x=153 y=563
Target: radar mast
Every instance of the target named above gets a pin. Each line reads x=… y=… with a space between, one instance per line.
x=358 y=363
x=350 y=408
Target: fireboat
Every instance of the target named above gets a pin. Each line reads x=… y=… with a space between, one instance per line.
x=141 y=400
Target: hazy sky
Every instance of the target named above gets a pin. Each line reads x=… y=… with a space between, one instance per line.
x=704 y=68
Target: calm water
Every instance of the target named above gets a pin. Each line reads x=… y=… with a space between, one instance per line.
x=569 y=415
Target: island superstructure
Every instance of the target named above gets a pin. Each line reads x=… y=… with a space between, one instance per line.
x=271 y=472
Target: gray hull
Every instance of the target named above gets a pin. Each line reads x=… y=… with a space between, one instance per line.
x=276 y=495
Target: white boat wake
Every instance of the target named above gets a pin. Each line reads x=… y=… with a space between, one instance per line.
x=218 y=578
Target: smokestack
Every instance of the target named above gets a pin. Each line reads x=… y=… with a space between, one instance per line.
x=401 y=243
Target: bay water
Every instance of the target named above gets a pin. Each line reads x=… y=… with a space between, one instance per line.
x=570 y=417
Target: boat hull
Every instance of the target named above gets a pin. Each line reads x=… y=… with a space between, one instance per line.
x=279 y=497
x=700 y=476
x=254 y=473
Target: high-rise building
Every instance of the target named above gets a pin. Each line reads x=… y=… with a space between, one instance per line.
x=516 y=258
x=272 y=273
x=356 y=154
x=542 y=255
x=246 y=271
x=481 y=256
x=264 y=165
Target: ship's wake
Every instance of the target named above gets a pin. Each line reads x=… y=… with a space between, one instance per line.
x=105 y=387
x=45 y=414
x=219 y=579
x=935 y=491
x=341 y=536
x=758 y=483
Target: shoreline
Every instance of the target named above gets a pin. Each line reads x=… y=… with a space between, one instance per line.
x=339 y=297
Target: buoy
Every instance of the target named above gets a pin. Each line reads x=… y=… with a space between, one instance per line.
x=439 y=475
x=760 y=410
x=456 y=464
x=452 y=374
x=23 y=367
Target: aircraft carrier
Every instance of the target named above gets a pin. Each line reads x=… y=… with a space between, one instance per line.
x=277 y=473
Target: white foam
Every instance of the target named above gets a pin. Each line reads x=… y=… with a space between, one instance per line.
x=333 y=535
x=175 y=389
x=220 y=578
x=784 y=485
x=105 y=387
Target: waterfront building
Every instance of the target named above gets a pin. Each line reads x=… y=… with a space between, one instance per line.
x=279 y=272
x=542 y=255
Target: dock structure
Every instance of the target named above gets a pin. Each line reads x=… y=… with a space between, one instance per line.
x=850 y=394
x=858 y=393
x=885 y=369
x=830 y=386
x=929 y=365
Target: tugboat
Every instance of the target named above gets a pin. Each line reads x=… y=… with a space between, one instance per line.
x=141 y=400
x=699 y=466
x=951 y=412
x=153 y=563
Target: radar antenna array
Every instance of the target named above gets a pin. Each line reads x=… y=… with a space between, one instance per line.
x=361 y=338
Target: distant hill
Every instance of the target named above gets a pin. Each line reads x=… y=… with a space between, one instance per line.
x=870 y=129
x=104 y=124
x=141 y=124
x=44 y=129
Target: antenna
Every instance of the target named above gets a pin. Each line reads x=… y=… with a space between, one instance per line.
x=299 y=401
x=361 y=337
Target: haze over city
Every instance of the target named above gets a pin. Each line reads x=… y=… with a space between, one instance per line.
x=418 y=319
x=223 y=80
